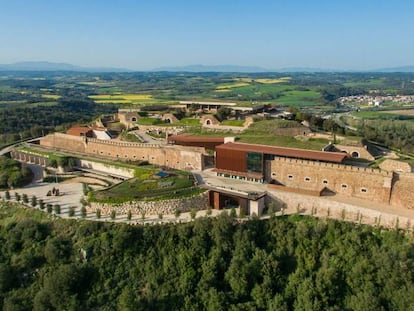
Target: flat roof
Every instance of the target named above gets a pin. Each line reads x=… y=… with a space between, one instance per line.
x=189 y=102
x=198 y=139
x=336 y=157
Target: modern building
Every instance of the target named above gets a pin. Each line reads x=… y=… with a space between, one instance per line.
x=252 y=162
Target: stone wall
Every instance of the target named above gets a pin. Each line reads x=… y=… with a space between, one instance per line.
x=106 y=167
x=64 y=141
x=364 y=183
x=396 y=166
x=165 y=207
x=356 y=151
x=322 y=207
x=403 y=190
x=178 y=157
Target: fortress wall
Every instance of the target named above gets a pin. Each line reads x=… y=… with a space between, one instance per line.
x=64 y=141
x=322 y=207
x=396 y=166
x=361 y=151
x=177 y=157
x=105 y=167
x=402 y=191
x=364 y=183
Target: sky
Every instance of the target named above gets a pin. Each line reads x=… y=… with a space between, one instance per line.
x=143 y=35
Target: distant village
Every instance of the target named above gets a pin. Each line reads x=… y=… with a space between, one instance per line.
x=376 y=101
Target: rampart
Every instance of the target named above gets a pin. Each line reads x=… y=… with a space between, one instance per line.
x=402 y=190
x=365 y=183
x=179 y=157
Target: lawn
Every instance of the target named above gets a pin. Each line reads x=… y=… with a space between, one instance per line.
x=284 y=141
x=146 y=187
x=233 y=122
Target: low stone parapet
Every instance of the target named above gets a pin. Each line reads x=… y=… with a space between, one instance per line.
x=164 y=207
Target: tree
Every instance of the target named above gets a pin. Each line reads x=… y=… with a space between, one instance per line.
x=242 y=213
x=17 y=197
x=33 y=201
x=58 y=250
x=98 y=213
x=7 y=195
x=129 y=215
x=41 y=204
x=233 y=213
x=83 y=211
x=177 y=213
x=113 y=214
x=25 y=199
x=49 y=208
x=71 y=211
x=193 y=213
x=56 y=207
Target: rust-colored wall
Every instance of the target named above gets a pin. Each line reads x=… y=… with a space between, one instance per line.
x=377 y=183
x=232 y=160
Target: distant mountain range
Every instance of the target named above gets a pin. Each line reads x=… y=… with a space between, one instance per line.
x=219 y=68
x=50 y=66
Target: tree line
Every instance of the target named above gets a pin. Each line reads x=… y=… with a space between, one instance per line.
x=288 y=263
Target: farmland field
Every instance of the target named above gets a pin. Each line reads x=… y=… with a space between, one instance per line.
x=123 y=98
x=406 y=112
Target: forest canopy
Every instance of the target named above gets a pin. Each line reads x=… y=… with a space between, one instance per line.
x=285 y=263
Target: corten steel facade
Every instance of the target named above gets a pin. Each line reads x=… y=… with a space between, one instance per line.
x=249 y=161
x=305 y=170
x=207 y=142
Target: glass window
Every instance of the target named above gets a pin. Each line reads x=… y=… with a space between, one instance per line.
x=254 y=162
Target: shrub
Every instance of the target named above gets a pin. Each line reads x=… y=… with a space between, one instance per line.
x=56 y=207
x=49 y=209
x=242 y=213
x=129 y=215
x=41 y=204
x=98 y=213
x=177 y=213
x=25 y=198
x=33 y=201
x=160 y=215
x=83 y=211
x=7 y=195
x=193 y=213
x=233 y=213
x=209 y=211
x=71 y=211
x=17 y=197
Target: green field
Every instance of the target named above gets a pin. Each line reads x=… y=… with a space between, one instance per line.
x=284 y=141
x=381 y=115
x=145 y=186
x=233 y=122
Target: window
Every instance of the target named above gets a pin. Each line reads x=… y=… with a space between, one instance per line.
x=307 y=179
x=273 y=174
x=325 y=181
x=254 y=162
x=344 y=186
x=364 y=190
x=290 y=176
